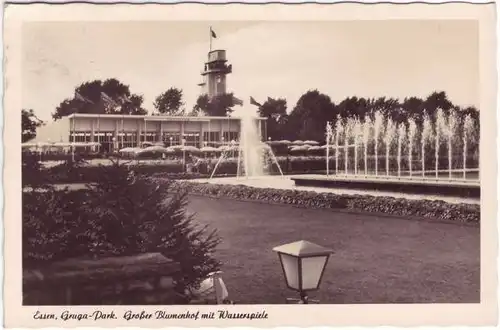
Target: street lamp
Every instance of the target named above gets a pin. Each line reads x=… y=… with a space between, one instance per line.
x=303 y=264
x=171 y=138
x=184 y=153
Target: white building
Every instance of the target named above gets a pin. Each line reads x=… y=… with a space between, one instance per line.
x=119 y=131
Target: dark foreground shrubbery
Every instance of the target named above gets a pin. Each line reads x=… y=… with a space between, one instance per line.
x=468 y=213
x=120 y=215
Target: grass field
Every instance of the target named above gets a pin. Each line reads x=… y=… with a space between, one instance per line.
x=377 y=259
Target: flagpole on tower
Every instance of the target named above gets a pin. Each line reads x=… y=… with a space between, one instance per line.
x=210 y=32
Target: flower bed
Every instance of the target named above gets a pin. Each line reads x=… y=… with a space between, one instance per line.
x=464 y=213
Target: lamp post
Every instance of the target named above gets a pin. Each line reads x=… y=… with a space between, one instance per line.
x=303 y=265
x=114 y=144
x=222 y=139
x=170 y=141
x=184 y=153
x=233 y=144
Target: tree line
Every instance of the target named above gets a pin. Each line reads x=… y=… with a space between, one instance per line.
x=306 y=121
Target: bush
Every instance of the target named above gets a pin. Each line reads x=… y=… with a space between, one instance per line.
x=120 y=215
x=397 y=206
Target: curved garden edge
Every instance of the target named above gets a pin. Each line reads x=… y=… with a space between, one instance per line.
x=374 y=205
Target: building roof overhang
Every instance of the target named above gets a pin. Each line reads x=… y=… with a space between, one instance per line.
x=156 y=118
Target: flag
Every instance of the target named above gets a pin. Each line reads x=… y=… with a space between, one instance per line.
x=80 y=97
x=237 y=101
x=212 y=33
x=253 y=102
x=108 y=100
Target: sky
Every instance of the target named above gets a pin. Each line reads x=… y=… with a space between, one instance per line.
x=270 y=59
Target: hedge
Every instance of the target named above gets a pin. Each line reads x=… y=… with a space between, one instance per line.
x=71 y=173
x=434 y=209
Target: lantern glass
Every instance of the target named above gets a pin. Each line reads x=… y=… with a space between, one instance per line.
x=291 y=269
x=312 y=269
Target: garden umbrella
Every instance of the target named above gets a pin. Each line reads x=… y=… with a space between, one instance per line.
x=177 y=147
x=311 y=142
x=130 y=150
x=298 y=142
x=30 y=145
x=154 y=149
x=190 y=148
x=208 y=149
x=299 y=148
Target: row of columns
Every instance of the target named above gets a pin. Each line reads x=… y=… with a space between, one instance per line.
x=142 y=127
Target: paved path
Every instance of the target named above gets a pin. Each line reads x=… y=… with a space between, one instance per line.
x=284 y=182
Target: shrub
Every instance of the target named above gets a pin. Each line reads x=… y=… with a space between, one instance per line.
x=122 y=214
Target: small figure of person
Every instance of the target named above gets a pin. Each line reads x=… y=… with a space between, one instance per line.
x=209 y=167
x=197 y=163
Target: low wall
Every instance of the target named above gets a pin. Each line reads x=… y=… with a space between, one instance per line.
x=394 y=184
x=133 y=280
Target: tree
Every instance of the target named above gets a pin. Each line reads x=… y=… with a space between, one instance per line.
x=104 y=97
x=137 y=216
x=275 y=112
x=29 y=124
x=170 y=102
x=307 y=121
x=201 y=105
x=437 y=100
x=218 y=106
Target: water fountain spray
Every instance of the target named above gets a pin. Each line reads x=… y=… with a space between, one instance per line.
x=378 y=123
x=347 y=133
x=412 y=130
x=452 y=125
x=328 y=138
x=251 y=149
x=366 y=136
x=426 y=137
x=338 y=130
x=440 y=124
x=467 y=134
x=401 y=138
x=357 y=132
x=390 y=130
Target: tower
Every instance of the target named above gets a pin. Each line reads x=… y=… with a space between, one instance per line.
x=214 y=73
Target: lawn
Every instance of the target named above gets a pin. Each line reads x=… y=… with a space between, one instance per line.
x=377 y=259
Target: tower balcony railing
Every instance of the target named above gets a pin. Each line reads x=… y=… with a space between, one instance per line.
x=221 y=68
